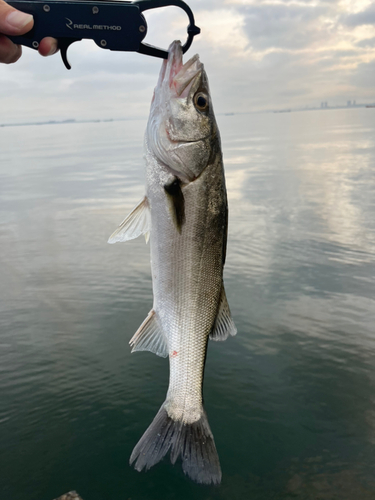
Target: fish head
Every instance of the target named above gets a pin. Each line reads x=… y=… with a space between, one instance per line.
x=182 y=127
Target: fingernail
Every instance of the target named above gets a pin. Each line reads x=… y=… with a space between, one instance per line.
x=17 y=19
x=53 y=49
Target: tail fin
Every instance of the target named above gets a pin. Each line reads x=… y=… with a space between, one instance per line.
x=194 y=442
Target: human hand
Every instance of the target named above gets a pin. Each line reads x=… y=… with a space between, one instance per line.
x=13 y=22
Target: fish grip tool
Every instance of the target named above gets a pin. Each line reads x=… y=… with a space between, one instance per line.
x=113 y=25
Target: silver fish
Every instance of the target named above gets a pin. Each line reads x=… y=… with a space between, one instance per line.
x=185 y=212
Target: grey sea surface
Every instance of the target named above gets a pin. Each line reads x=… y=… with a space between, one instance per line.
x=290 y=399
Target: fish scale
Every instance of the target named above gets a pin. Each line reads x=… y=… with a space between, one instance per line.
x=185 y=214
x=202 y=280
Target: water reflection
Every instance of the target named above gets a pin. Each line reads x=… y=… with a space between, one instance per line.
x=290 y=399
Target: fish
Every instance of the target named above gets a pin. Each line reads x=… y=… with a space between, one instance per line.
x=185 y=215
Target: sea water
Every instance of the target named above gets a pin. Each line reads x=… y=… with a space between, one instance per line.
x=290 y=399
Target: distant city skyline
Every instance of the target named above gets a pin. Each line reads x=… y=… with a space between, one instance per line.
x=323 y=105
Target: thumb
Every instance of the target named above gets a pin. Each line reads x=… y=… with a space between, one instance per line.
x=14 y=22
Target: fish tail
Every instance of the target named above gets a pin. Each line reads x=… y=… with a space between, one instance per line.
x=193 y=442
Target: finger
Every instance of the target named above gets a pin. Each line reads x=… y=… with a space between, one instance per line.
x=9 y=51
x=48 y=46
x=14 y=22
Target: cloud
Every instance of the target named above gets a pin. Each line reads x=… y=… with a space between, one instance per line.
x=258 y=55
x=223 y=29
x=367 y=43
x=364 y=17
x=364 y=77
x=283 y=26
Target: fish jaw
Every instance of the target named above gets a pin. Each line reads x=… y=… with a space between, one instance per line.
x=179 y=133
x=175 y=77
x=169 y=68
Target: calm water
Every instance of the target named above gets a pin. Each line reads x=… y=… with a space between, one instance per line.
x=291 y=399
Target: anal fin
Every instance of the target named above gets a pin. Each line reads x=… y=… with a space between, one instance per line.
x=224 y=324
x=136 y=223
x=150 y=337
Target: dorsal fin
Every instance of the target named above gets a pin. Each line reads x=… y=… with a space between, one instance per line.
x=224 y=324
x=136 y=223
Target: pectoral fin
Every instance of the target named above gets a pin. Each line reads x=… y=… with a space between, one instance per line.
x=136 y=223
x=224 y=324
x=150 y=337
x=177 y=201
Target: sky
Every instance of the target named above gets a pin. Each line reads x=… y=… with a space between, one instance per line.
x=258 y=54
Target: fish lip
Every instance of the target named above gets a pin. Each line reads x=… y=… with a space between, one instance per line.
x=184 y=79
x=175 y=76
x=171 y=66
x=185 y=141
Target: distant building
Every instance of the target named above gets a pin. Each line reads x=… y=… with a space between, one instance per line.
x=349 y=103
x=324 y=105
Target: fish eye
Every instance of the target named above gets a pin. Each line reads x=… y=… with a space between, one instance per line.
x=201 y=101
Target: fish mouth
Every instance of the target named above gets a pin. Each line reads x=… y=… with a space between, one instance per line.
x=184 y=141
x=172 y=65
x=176 y=76
x=184 y=79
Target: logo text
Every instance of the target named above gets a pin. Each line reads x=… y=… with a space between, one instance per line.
x=103 y=27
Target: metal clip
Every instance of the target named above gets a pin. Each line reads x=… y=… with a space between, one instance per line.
x=192 y=29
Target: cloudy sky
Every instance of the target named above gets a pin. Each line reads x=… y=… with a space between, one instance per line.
x=259 y=54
